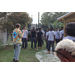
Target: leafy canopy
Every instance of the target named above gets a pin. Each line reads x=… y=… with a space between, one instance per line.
x=10 y=21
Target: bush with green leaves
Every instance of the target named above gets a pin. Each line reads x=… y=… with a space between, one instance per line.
x=1 y=44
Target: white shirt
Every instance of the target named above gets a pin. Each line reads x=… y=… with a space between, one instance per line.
x=43 y=32
x=36 y=33
x=69 y=37
x=25 y=34
x=51 y=36
x=57 y=33
x=61 y=32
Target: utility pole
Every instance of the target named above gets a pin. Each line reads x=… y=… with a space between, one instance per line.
x=38 y=19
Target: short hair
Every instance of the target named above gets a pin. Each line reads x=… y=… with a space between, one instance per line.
x=61 y=27
x=67 y=45
x=24 y=27
x=56 y=28
x=18 y=25
x=39 y=28
x=70 y=29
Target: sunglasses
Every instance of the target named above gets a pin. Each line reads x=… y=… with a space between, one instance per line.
x=61 y=54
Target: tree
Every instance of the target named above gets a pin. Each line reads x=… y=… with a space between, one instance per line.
x=50 y=17
x=16 y=17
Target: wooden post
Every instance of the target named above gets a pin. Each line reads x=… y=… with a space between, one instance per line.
x=38 y=19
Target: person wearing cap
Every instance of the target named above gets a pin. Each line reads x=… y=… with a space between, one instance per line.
x=65 y=50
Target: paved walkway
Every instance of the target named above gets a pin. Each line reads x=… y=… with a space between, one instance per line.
x=43 y=57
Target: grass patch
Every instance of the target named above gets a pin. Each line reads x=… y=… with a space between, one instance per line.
x=26 y=55
x=1 y=44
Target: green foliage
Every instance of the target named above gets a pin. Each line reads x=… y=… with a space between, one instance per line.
x=57 y=24
x=15 y=17
x=3 y=14
x=1 y=44
x=50 y=19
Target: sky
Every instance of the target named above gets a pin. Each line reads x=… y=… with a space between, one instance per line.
x=34 y=15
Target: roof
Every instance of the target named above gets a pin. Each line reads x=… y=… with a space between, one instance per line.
x=70 y=16
x=63 y=16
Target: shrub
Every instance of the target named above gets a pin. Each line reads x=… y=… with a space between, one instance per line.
x=1 y=44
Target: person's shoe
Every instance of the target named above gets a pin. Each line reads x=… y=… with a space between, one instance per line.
x=48 y=52
x=26 y=48
x=35 y=48
x=13 y=59
x=38 y=47
x=22 y=48
x=16 y=61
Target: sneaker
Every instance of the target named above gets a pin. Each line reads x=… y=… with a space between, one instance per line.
x=48 y=52
x=35 y=48
x=16 y=61
x=53 y=53
x=13 y=59
x=26 y=48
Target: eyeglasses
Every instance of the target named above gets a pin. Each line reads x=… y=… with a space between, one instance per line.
x=61 y=54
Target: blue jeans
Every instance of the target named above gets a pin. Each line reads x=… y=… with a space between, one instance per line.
x=17 y=51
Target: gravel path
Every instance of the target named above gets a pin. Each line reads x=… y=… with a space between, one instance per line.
x=43 y=57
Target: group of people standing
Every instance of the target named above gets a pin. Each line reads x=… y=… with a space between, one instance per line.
x=36 y=36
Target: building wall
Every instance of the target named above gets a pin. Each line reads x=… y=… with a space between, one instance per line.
x=34 y=25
